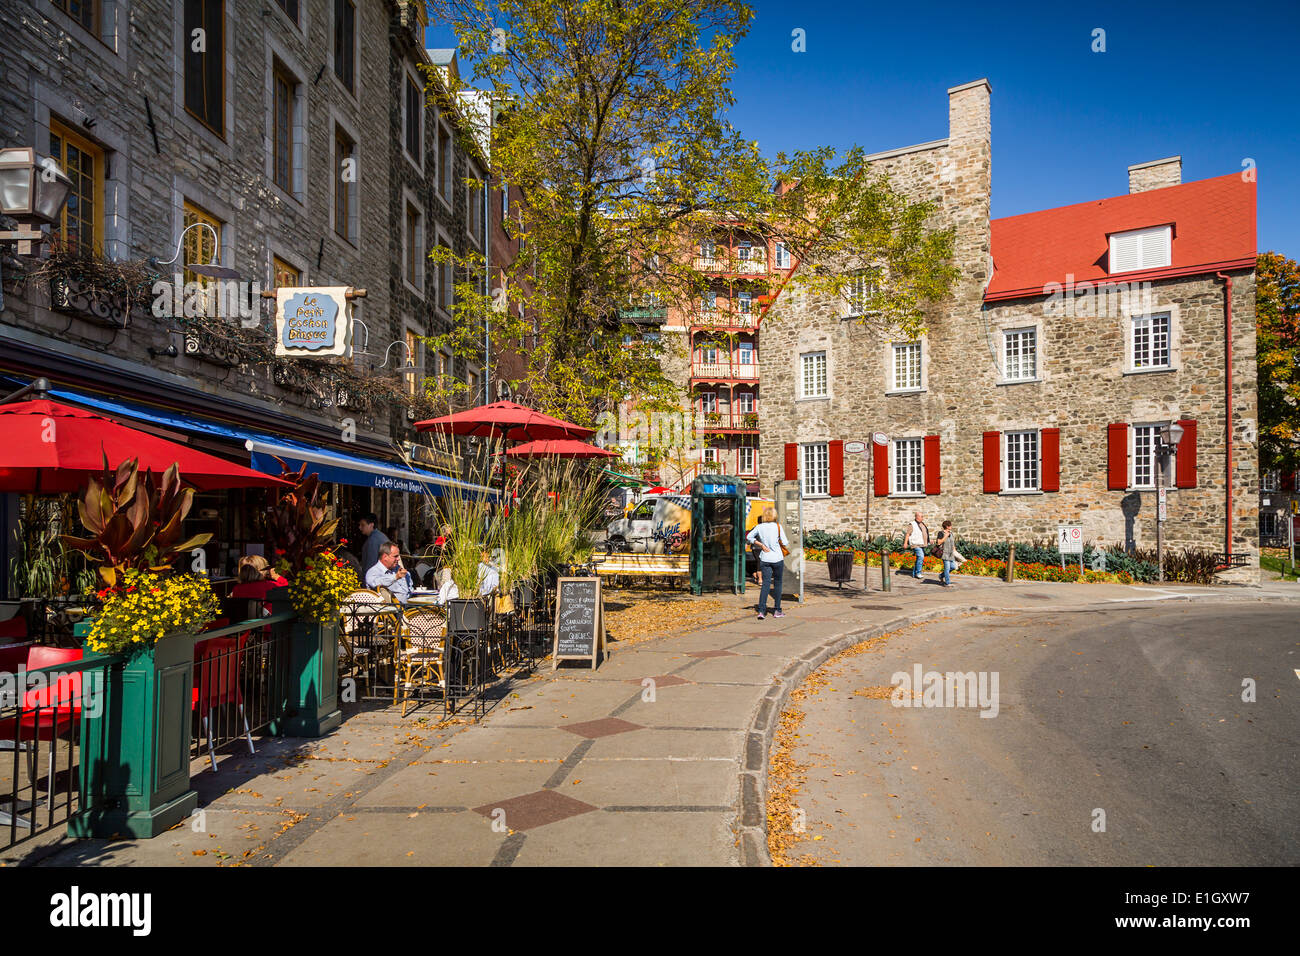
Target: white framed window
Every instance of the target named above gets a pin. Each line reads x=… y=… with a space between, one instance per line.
x=908 y=471
x=709 y=354
x=1271 y=479
x=1142 y=457
x=815 y=467
x=748 y=460
x=1139 y=249
x=906 y=366
x=1021 y=461
x=710 y=456
x=1149 y=341
x=812 y=382
x=1267 y=524
x=709 y=301
x=859 y=289
x=745 y=353
x=708 y=402
x=745 y=302
x=708 y=249
x=1020 y=355
x=743 y=250
x=745 y=403
x=782 y=256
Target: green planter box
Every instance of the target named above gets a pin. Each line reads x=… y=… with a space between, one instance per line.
x=136 y=754
x=313 y=684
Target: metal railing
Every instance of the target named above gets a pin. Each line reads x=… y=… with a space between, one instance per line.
x=44 y=716
x=734 y=420
x=241 y=683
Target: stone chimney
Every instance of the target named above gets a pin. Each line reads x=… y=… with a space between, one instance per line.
x=1156 y=174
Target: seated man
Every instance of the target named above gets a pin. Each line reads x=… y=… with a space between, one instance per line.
x=389 y=573
x=489 y=578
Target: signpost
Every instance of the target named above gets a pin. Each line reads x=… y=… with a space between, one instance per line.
x=579 y=621
x=1162 y=512
x=1069 y=540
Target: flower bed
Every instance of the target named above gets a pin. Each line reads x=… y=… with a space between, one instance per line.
x=987 y=567
x=145 y=608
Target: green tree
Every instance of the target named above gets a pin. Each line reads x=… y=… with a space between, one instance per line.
x=1277 y=349
x=610 y=117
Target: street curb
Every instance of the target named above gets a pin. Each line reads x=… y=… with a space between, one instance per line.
x=751 y=823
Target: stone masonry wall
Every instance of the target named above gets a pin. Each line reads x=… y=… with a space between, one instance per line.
x=1081 y=389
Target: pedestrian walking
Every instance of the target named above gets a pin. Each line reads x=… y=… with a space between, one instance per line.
x=947 y=542
x=771 y=560
x=918 y=536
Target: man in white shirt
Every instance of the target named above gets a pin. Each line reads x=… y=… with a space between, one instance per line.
x=489 y=578
x=389 y=573
x=770 y=537
x=918 y=537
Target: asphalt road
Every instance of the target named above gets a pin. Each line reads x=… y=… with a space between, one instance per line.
x=1136 y=712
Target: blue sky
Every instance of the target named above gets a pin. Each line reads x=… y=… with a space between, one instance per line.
x=1215 y=84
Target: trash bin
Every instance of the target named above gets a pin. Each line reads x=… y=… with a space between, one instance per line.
x=840 y=566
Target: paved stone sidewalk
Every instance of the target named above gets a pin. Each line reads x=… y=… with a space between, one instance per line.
x=658 y=757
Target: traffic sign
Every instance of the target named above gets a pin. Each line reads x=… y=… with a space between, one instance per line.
x=1069 y=540
x=854 y=447
x=1160 y=508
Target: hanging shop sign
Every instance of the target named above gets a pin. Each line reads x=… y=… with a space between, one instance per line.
x=314 y=321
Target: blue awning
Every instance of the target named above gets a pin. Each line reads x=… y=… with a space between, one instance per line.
x=332 y=466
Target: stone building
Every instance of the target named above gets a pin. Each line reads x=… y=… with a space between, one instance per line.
x=1070 y=337
x=289 y=132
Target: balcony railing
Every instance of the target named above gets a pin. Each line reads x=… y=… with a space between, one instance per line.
x=725 y=370
x=723 y=265
x=727 y=421
x=720 y=319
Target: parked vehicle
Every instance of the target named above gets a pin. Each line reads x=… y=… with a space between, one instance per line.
x=661 y=524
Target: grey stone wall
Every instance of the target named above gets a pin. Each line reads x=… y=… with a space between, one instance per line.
x=110 y=92
x=1082 y=386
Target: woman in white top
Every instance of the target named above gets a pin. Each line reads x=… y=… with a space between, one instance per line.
x=770 y=537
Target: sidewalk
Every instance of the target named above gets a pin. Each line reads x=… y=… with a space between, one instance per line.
x=656 y=758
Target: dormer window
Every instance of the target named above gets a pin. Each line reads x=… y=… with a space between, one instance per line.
x=1140 y=249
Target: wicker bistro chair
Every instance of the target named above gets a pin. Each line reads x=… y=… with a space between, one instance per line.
x=365 y=634
x=420 y=653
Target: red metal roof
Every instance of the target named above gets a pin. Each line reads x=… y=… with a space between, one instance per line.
x=1214 y=228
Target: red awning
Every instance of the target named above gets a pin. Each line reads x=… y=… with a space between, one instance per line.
x=50 y=448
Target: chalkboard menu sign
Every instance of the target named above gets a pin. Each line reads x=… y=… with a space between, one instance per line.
x=579 y=621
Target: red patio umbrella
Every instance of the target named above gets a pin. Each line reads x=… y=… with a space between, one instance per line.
x=47 y=447
x=505 y=420
x=559 y=448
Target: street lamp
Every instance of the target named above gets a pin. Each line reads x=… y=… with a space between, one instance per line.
x=30 y=190
x=1166 y=443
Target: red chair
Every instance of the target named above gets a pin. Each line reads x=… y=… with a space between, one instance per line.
x=217 y=667
x=47 y=713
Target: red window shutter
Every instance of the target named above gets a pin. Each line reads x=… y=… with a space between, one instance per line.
x=1117 y=456
x=880 y=469
x=931 y=452
x=1185 y=460
x=791 y=461
x=992 y=462
x=1050 y=474
x=835 y=451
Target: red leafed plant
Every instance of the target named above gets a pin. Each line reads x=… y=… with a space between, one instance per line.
x=135 y=521
x=297 y=524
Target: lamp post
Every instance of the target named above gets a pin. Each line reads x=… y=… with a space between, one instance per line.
x=1166 y=442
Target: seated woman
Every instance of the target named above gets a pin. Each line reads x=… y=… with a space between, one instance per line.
x=256 y=578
